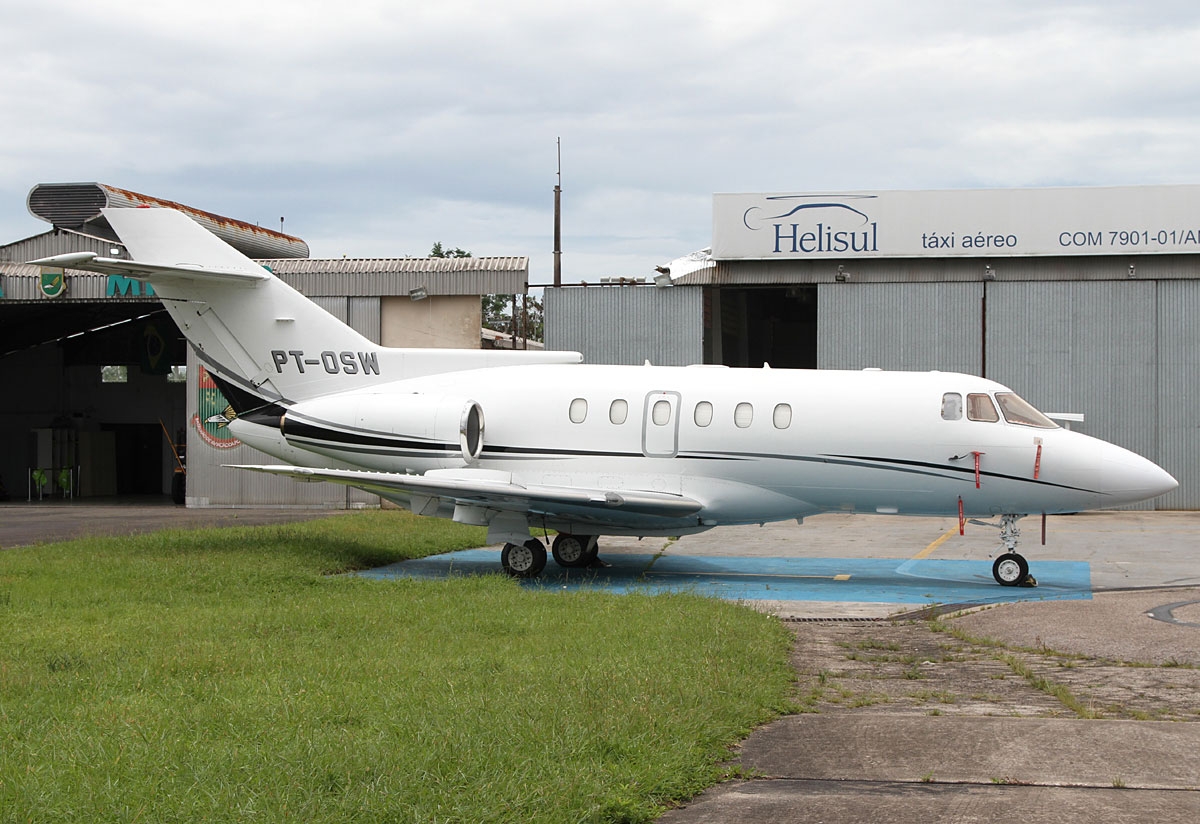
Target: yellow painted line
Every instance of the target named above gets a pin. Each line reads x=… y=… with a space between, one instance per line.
x=927 y=551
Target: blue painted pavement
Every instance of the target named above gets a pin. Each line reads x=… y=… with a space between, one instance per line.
x=868 y=580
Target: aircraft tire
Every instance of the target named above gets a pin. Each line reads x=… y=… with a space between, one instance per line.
x=573 y=550
x=525 y=560
x=1010 y=569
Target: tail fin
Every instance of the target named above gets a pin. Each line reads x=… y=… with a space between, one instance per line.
x=246 y=325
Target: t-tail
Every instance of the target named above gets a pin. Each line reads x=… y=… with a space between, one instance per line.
x=261 y=338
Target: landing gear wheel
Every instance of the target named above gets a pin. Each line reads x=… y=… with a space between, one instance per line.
x=1010 y=569
x=573 y=550
x=525 y=560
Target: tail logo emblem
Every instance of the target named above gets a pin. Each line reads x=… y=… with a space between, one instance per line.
x=213 y=414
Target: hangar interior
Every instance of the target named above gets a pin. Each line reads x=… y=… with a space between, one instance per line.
x=102 y=386
x=748 y=326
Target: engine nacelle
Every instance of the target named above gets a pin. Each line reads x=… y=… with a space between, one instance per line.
x=443 y=428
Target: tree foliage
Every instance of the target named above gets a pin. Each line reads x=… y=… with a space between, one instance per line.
x=438 y=251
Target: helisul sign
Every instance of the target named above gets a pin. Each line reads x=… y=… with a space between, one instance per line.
x=975 y=223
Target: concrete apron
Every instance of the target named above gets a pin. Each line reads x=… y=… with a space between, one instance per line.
x=903 y=768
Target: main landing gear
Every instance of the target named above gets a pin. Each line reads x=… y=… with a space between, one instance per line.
x=527 y=560
x=1011 y=569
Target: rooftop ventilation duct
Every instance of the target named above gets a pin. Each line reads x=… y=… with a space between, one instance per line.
x=77 y=206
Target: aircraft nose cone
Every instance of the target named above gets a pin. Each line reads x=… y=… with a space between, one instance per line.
x=1131 y=478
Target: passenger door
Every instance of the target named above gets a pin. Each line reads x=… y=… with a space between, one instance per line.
x=660 y=425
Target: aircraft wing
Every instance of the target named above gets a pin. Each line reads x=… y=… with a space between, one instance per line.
x=495 y=490
x=92 y=262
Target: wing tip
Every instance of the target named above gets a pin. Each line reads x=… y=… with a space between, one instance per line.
x=65 y=260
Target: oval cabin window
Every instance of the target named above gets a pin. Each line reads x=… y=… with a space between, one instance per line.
x=703 y=413
x=618 y=411
x=743 y=415
x=782 y=417
x=578 y=411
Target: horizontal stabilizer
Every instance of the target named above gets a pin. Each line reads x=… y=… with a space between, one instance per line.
x=484 y=488
x=139 y=270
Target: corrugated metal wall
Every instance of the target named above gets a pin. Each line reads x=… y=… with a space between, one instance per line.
x=1178 y=390
x=1082 y=347
x=917 y=326
x=335 y=306
x=628 y=324
x=52 y=243
x=21 y=284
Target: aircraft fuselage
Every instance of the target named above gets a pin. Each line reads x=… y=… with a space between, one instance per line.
x=751 y=445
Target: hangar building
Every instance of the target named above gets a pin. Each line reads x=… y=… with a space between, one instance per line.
x=1083 y=300
x=100 y=385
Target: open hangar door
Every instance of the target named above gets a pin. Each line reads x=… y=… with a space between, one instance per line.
x=94 y=388
x=757 y=325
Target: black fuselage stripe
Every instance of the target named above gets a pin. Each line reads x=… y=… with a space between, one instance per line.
x=380 y=444
x=962 y=470
x=302 y=430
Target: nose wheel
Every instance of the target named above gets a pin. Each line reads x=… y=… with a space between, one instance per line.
x=1010 y=569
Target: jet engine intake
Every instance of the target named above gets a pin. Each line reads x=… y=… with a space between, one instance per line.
x=441 y=426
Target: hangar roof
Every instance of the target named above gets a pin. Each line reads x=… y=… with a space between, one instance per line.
x=77 y=206
x=399 y=276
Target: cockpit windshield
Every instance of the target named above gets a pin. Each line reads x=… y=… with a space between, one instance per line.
x=1019 y=411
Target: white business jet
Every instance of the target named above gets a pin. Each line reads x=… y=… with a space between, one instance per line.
x=604 y=450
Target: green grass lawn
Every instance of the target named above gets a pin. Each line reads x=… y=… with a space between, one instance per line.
x=226 y=675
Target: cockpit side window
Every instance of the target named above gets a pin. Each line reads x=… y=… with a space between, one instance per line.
x=952 y=406
x=1019 y=411
x=981 y=408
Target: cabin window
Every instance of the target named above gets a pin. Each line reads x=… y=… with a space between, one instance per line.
x=660 y=413
x=981 y=408
x=1019 y=411
x=952 y=406
x=578 y=411
x=782 y=417
x=618 y=411
x=703 y=413
x=743 y=415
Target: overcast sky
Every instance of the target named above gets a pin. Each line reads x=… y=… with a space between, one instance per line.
x=377 y=128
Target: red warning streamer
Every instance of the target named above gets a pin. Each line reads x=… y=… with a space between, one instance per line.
x=962 y=522
x=977 y=454
x=1037 y=463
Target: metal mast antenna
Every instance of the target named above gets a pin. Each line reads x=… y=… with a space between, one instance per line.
x=558 y=220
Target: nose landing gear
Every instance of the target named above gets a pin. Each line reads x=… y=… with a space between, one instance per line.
x=1011 y=569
